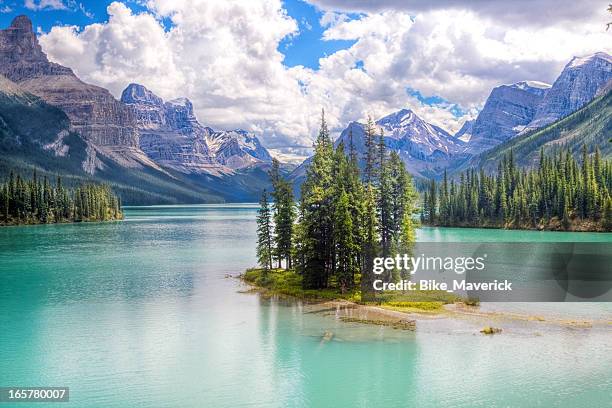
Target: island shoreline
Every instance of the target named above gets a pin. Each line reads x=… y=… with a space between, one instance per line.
x=350 y=311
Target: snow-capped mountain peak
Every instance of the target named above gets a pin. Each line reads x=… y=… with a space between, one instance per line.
x=406 y=128
x=425 y=148
x=397 y=119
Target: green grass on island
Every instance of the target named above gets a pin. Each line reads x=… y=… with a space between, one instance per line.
x=289 y=283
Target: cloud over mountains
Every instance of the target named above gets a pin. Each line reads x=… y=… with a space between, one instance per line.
x=225 y=57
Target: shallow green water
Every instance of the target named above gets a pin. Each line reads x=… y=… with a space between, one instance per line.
x=140 y=313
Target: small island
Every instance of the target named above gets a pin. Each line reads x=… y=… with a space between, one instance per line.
x=323 y=250
x=289 y=283
x=38 y=201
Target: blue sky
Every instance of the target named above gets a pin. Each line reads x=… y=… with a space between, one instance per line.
x=308 y=46
x=303 y=49
x=78 y=13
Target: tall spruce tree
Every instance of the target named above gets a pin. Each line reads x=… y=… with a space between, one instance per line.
x=385 y=198
x=369 y=174
x=316 y=214
x=370 y=244
x=264 y=233
x=344 y=246
x=284 y=216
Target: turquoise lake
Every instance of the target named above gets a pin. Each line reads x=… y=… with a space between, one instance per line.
x=142 y=313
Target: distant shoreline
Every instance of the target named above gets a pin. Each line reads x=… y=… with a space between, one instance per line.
x=65 y=222
x=556 y=227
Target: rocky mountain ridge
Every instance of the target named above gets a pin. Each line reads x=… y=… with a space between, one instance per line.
x=55 y=123
x=171 y=135
x=579 y=82
x=106 y=124
x=507 y=111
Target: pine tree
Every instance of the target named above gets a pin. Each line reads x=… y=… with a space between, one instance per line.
x=370 y=245
x=316 y=214
x=432 y=204
x=284 y=216
x=370 y=153
x=385 y=197
x=264 y=233
x=344 y=245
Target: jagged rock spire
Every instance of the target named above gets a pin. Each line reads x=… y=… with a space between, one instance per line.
x=22 y=22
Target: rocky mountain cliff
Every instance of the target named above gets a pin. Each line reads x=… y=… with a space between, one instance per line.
x=579 y=82
x=106 y=124
x=171 y=135
x=590 y=126
x=169 y=132
x=21 y=55
x=507 y=111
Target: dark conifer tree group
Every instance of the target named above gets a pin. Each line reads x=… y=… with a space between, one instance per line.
x=343 y=219
x=38 y=201
x=561 y=192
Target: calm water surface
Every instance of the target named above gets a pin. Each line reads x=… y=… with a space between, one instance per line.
x=140 y=313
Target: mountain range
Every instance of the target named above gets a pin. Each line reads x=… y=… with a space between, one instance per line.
x=151 y=151
x=526 y=110
x=590 y=125
x=156 y=151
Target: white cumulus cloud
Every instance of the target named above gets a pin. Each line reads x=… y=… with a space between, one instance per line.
x=224 y=57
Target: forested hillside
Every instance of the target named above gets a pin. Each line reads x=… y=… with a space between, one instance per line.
x=562 y=193
x=590 y=126
x=38 y=201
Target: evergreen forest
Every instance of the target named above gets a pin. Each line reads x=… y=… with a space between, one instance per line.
x=345 y=217
x=38 y=201
x=561 y=193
